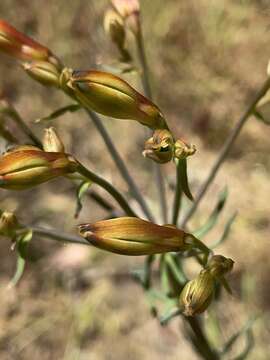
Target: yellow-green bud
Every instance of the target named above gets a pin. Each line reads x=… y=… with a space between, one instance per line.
x=8 y=223
x=52 y=142
x=133 y=236
x=219 y=265
x=182 y=150
x=111 y=96
x=197 y=294
x=160 y=146
x=44 y=72
x=28 y=166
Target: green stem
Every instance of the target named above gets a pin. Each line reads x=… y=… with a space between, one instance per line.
x=108 y=187
x=225 y=151
x=120 y=164
x=177 y=194
x=57 y=235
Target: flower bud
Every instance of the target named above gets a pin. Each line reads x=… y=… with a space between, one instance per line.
x=130 y=12
x=22 y=47
x=111 y=96
x=197 y=294
x=159 y=147
x=28 y=166
x=114 y=27
x=219 y=265
x=133 y=236
x=52 y=142
x=182 y=150
x=8 y=223
x=44 y=72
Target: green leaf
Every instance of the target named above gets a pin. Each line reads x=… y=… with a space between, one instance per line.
x=169 y=315
x=213 y=218
x=59 y=112
x=22 y=244
x=262 y=110
x=226 y=231
x=182 y=163
x=82 y=189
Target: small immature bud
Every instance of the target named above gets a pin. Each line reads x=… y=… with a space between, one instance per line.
x=160 y=147
x=182 y=150
x=130 y=12
x=114 y=27
x=28 y=166
x=52 y=142
x=219 y=265
x=133 y=236
x=44 y=72
x=197 y=294
x=8 y=223
x=22 y=47
x=111 y=96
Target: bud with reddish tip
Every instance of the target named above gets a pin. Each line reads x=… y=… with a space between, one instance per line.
x=22 y=47
x=160 y=147
x=197 y=294
x=44 y=72
x=28 y=166
x=8 y=223
x=111 y=96
x=52 y=142
x=133 y=236
x=182 y=150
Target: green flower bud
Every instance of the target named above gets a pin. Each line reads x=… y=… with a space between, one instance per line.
x=28 y=166
x=160 y=147
x=197 y=294
x=133 y=236
x=219 y=265
x=8 y=223
x=44 y=72
x=111 y=96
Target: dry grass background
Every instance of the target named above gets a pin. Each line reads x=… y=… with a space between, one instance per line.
x=207 y=58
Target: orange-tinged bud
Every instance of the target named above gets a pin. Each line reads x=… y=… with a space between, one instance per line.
x=22 y=47
x=182 y=150
x=52 y=142
x=8 y=223
x=197 y=294
x=44 y=72
x=111 y=96
x=160 y=147
x=133 y=236
x=28 y=166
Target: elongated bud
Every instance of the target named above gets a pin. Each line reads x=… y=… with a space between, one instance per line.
x=111 y=96
x=159 y=147
x=114 y=27
x=8 y=223
x=28 y=166
x=133 y=236
x=197 y=294
x=22 y=47
x=219 y=265
x=52 y=142
x=44 y=72
x=130 y=12
x=182 y=150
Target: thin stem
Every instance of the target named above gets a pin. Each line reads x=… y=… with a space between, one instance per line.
x=200 y=341
x=108 y=187
x=24 y=127
x=120 y=164
x=148 y=92
x=224 y=151
x=57 y=235
x=177 y=194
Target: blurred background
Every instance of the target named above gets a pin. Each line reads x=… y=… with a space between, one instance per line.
x=207 y=59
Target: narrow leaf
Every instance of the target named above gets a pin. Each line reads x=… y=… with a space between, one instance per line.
x=59 y=112
x=226 y=231
x=82 y=189
x=184 y=178
x=262 y=110
x=213 y=218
